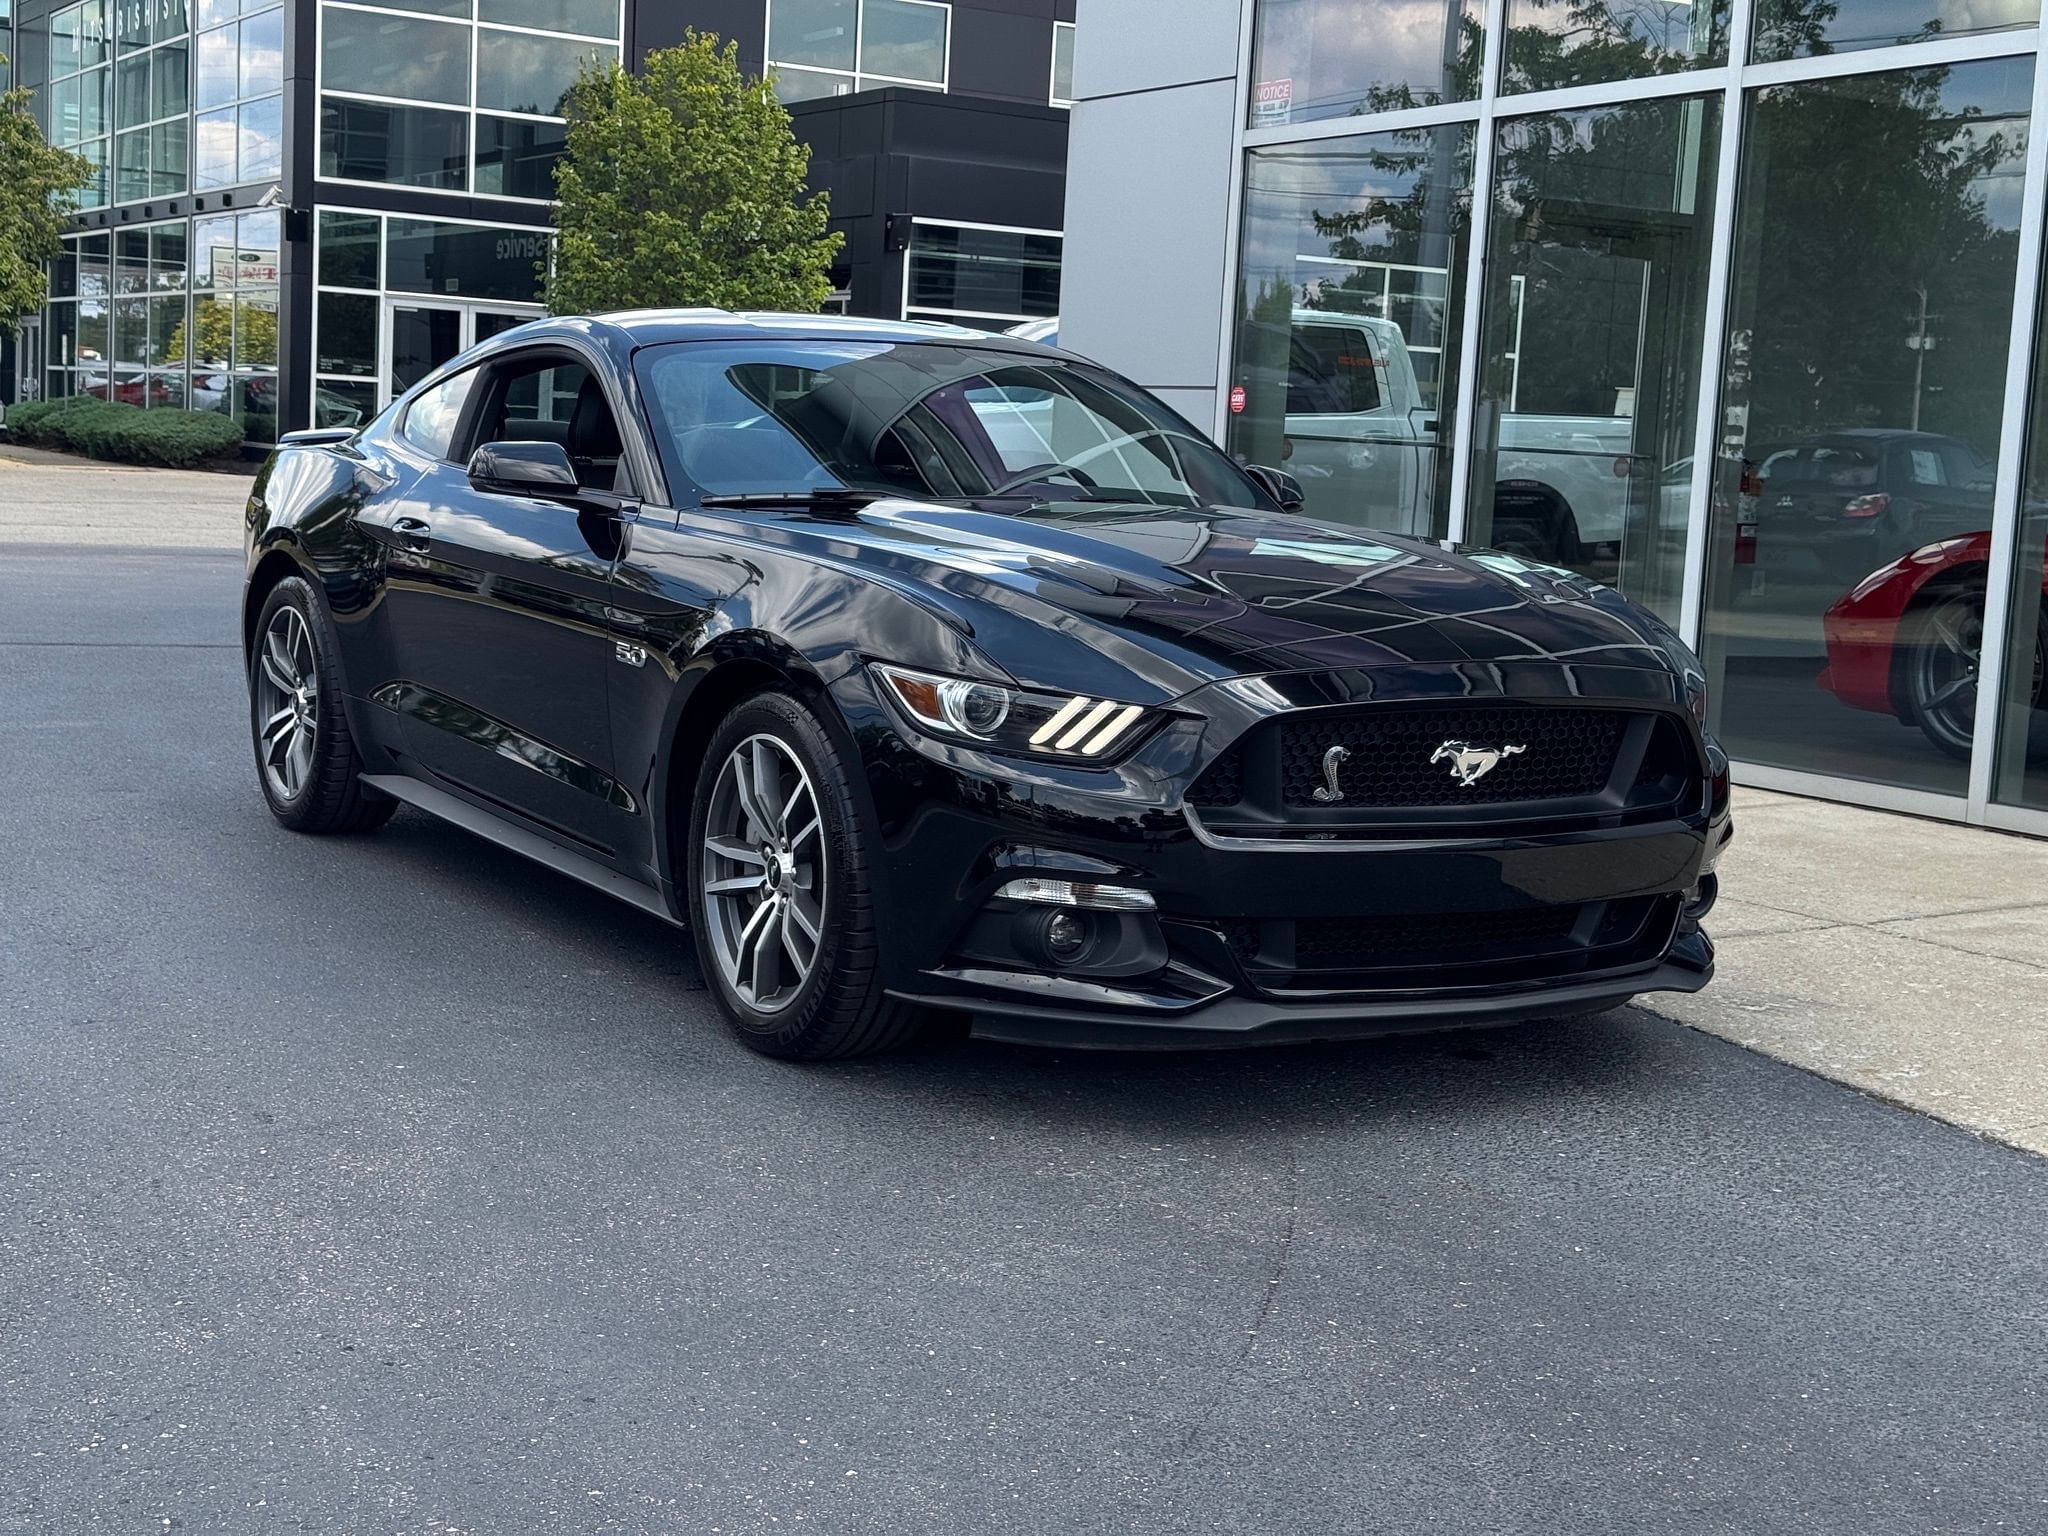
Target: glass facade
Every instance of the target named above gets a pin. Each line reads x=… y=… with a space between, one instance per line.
x=398 y=296
x=982 y=277
x=835 y=47
x=1350 y=295
x=181 y=313
x=1745 y=321
x=162 y=97
x=455 y=95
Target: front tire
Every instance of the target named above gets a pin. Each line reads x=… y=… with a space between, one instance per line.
x=306 y=761
x=777 y=870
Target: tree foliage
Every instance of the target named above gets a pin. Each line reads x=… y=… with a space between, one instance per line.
x=38 y=187
x=683 y=185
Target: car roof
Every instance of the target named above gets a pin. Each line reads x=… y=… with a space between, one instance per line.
x=653 y=327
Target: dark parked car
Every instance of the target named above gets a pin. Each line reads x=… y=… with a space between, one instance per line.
x=922 y=673
x=1846 y=502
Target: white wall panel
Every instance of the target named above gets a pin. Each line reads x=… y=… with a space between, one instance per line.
x=1142 y=45
x=1148 y=215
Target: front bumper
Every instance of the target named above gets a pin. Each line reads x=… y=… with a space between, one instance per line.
x=956 y=826
x=1235 y=1021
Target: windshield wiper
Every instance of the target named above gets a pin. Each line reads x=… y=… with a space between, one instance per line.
x=837 y=498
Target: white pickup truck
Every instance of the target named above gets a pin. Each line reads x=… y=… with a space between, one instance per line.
x=1363 y=444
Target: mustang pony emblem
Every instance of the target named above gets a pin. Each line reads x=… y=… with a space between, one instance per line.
x=1330 y=794
x=1469 y=764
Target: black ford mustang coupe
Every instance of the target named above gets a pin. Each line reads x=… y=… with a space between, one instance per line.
x=925 y=673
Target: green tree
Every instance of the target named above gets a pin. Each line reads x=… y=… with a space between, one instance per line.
x=38 y=186
x=683 y=185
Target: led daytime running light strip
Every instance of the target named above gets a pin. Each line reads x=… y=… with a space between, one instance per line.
x=1074 y=720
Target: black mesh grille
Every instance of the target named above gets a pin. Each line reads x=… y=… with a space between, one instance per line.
x=1360 y=943
x=1481 y=947
x=1566 y=753
x=1222 y=782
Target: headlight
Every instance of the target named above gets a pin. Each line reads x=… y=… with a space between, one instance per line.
x=1005 y=719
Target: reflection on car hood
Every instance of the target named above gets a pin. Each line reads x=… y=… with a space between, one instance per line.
x=1187 y=595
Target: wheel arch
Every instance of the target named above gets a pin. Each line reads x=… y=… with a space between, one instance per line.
x=276 y=563
x=739 y=665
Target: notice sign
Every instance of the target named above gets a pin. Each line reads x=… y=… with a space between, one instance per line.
x=1237 y=400
x=1272 y=102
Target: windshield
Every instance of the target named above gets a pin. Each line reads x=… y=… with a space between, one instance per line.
x=921 y=419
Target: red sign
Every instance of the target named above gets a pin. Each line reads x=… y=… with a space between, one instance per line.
x=1237 y=399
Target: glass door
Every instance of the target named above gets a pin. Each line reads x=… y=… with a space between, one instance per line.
x=28 y=359
x=418 y=338
x=487 y=323
x=422 y=334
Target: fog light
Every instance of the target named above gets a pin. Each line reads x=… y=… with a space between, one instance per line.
x=1065 y=937
x=1079 y=893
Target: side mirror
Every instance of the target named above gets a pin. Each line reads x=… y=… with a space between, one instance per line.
x=1279 y=485
x=540 y=470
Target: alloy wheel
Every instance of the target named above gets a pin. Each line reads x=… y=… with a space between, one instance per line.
x=763 y=874
x=1945 y=670
x=287 y=702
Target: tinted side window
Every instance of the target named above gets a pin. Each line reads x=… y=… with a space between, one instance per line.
x=430 y=420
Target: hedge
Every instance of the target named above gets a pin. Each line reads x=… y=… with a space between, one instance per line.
x=128 y=434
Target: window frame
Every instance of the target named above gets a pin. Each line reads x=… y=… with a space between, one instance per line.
x=468 y=111
x=862 y=78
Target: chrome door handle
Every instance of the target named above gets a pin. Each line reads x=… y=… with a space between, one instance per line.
x=412 y=533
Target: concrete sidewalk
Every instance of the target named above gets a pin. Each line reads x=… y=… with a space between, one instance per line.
x=1907 y=958
x=63 y=500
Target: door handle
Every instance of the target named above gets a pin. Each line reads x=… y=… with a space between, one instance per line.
x=412 y=533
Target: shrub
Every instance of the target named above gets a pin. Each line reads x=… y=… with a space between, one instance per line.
x=127 y=434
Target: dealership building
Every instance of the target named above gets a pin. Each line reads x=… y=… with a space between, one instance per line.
x=1733 y=305
x=300 y=208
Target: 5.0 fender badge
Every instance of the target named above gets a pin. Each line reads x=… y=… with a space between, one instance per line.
x=1470 y=764
x=632 y=655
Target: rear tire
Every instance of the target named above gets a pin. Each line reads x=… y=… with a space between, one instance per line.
x=777 y=873
x=307 y=765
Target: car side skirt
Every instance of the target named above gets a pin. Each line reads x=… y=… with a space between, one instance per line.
x=495 y=829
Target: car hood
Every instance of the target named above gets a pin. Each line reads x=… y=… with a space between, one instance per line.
x=1186 y=596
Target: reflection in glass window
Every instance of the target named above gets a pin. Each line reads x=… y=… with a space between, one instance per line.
x=1551 y=44
x=1353 y=257
x=834 y=47
x=1062 y=63
x=518 y=72
x=408 y=146
x=2020 y=770
x=516 y=156
x=1869 y=316
x=411 y=58
x=347 y=254
x=819 y=34
x=1602 y=232
x=904 y=40
x=1791 y=29
x=1320 y=58
x=467 y=260
x=592 y=18
x=983 y=275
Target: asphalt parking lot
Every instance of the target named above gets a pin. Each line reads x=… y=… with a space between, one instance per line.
x=392 y=1185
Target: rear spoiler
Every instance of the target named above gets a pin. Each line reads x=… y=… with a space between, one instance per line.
x=317 y=437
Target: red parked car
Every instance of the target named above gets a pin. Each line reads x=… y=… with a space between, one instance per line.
x=1906 y=641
